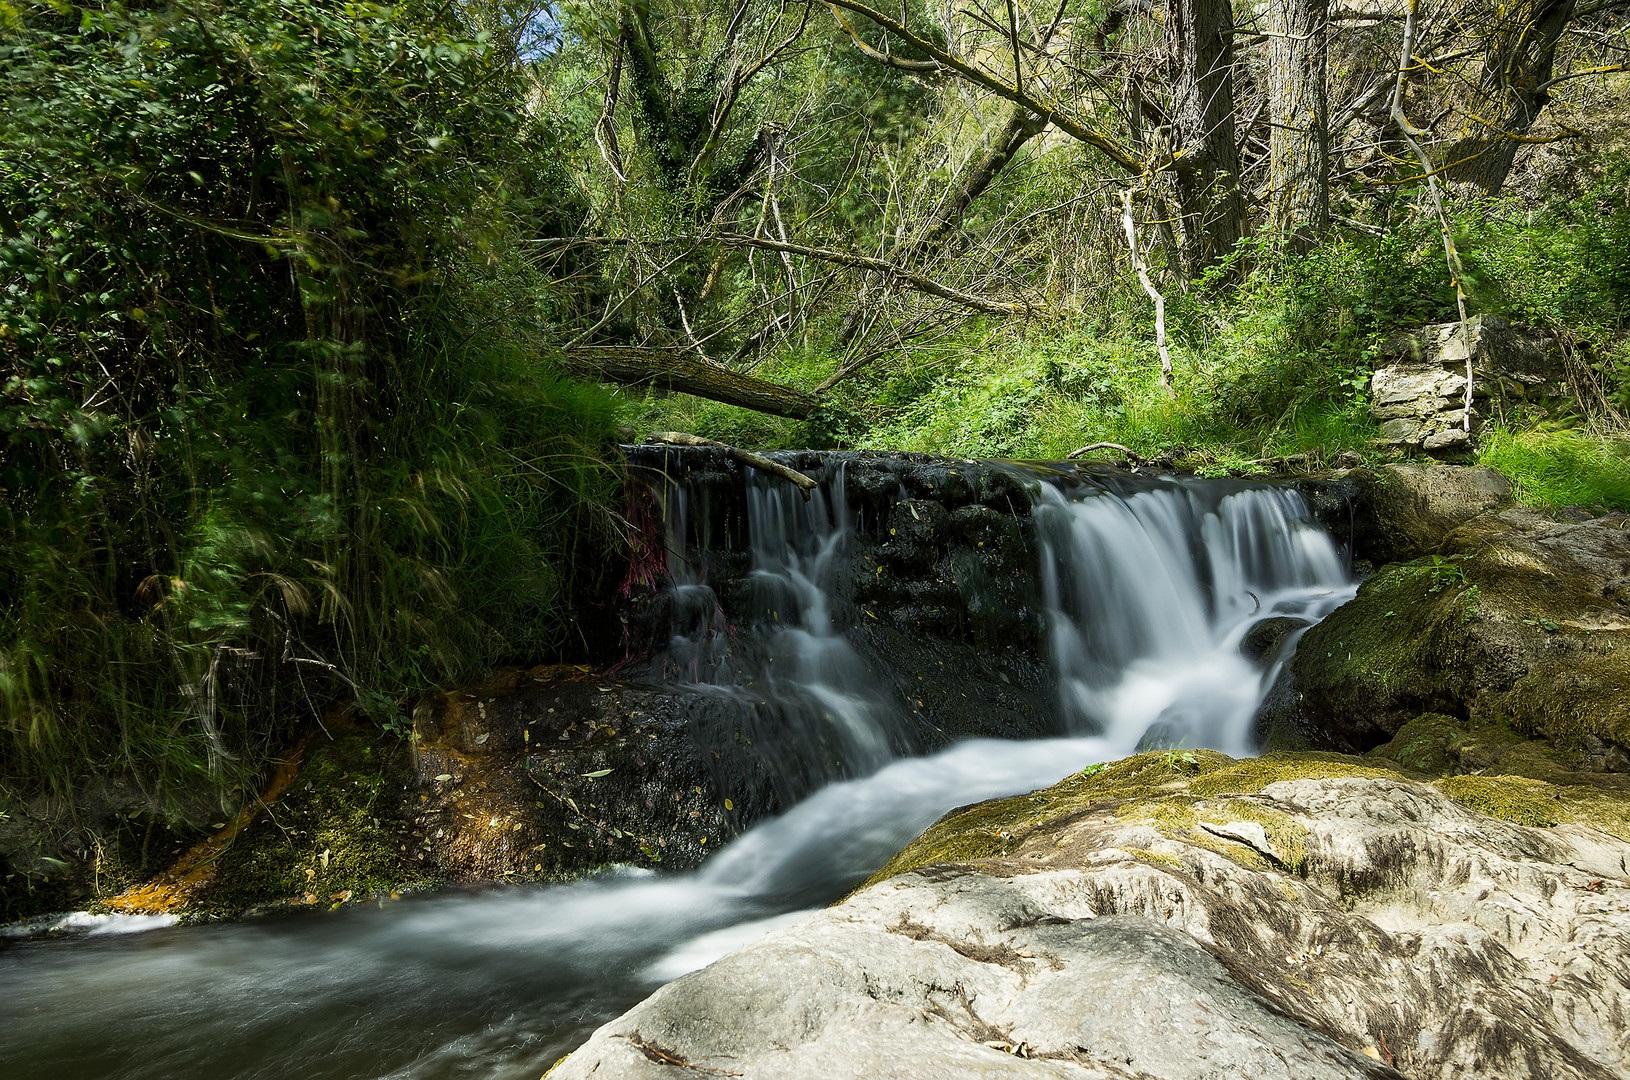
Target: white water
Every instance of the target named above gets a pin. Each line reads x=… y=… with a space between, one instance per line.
x=1148 y=597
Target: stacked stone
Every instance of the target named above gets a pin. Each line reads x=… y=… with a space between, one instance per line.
x=1419 y=395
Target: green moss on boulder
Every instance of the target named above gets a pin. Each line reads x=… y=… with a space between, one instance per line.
x=1185 y=796
x=1518 y=625
x=1509 y=798
x=1164 y=788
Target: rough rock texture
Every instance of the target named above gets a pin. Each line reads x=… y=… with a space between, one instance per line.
x=943 y=546
x=1520 y=622
x=1404 y=511
x=1420 y=397
x=1182 y=916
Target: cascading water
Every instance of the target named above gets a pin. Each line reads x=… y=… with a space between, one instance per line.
x=1149 y=593
x=800 y=693
x=1149 y=590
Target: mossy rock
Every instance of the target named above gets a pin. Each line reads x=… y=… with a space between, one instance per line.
x=1405 y=511
x=335 y=834
x=1386 y=656
x=1509 y=798
x=1162 y=788
x=1516 y=624
x=1177 y=793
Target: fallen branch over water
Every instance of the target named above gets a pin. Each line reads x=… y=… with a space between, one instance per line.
x=676 y=369
x=806 y=484
x=1090 y=447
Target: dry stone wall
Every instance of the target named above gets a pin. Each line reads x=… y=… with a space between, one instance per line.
x=1419 y=394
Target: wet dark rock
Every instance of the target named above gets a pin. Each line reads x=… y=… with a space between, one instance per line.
x=1263 y=639
x=942 y=546
x=952 y=693
x=56 y=855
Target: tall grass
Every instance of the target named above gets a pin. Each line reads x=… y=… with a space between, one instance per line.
x=1557 y=467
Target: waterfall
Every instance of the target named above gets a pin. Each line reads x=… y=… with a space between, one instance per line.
x=1150 y=590
x=788 y=683
x=1149 y=587
x=1149 y=594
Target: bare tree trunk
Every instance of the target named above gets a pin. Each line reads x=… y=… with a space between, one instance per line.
x=1516 y=74
x=1129 y=223
x=1208 y=191
x=1021 y=126
x=1451 y=254
x=1299 y=140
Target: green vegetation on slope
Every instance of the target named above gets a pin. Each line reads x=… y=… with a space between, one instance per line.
x=1278 y=365
x=271 y=430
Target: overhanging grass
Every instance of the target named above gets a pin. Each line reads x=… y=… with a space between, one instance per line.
x=1560 y=467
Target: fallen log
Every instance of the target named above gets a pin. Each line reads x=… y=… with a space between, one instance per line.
x=673 y=369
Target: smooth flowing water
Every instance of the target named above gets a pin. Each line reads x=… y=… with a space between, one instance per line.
x=1148 y=595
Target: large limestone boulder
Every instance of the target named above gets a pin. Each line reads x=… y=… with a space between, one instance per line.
x=1184 y=915
x=1520 y=623
x=1405 y=511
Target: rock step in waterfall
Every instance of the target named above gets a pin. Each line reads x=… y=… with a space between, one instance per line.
x=1131 y=600
x=1305 y=913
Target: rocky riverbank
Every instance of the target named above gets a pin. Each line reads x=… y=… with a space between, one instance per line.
x=1489 y=641
x=1186 y=915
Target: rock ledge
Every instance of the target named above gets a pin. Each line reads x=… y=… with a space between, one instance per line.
x=1185 y=915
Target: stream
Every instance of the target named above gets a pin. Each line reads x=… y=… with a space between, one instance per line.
x=1148 y=596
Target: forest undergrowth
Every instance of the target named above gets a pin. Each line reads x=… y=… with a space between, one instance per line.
x=1276 y=366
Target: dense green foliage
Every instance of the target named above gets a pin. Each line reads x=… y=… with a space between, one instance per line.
x=1278 y=365
x=270 y=429
x=283 y=284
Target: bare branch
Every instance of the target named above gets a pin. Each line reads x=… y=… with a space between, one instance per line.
x=1411 y=134
x=877 y=55
x=1112 y=147
x=883 y=266
x=1130 y=225
x=1090 y=447
x=605 y=129
x=805 y=484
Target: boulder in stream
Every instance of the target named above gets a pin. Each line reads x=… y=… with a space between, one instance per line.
x=1518 y=624
x=1182 y=914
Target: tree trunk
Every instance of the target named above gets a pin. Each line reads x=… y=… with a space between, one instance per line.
x=1299 y=141
x=1517 y=67
x=1208 y=193
x=1021 y=126
x=690 y=374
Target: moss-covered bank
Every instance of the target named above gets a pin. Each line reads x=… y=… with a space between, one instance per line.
x=1515 y=622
